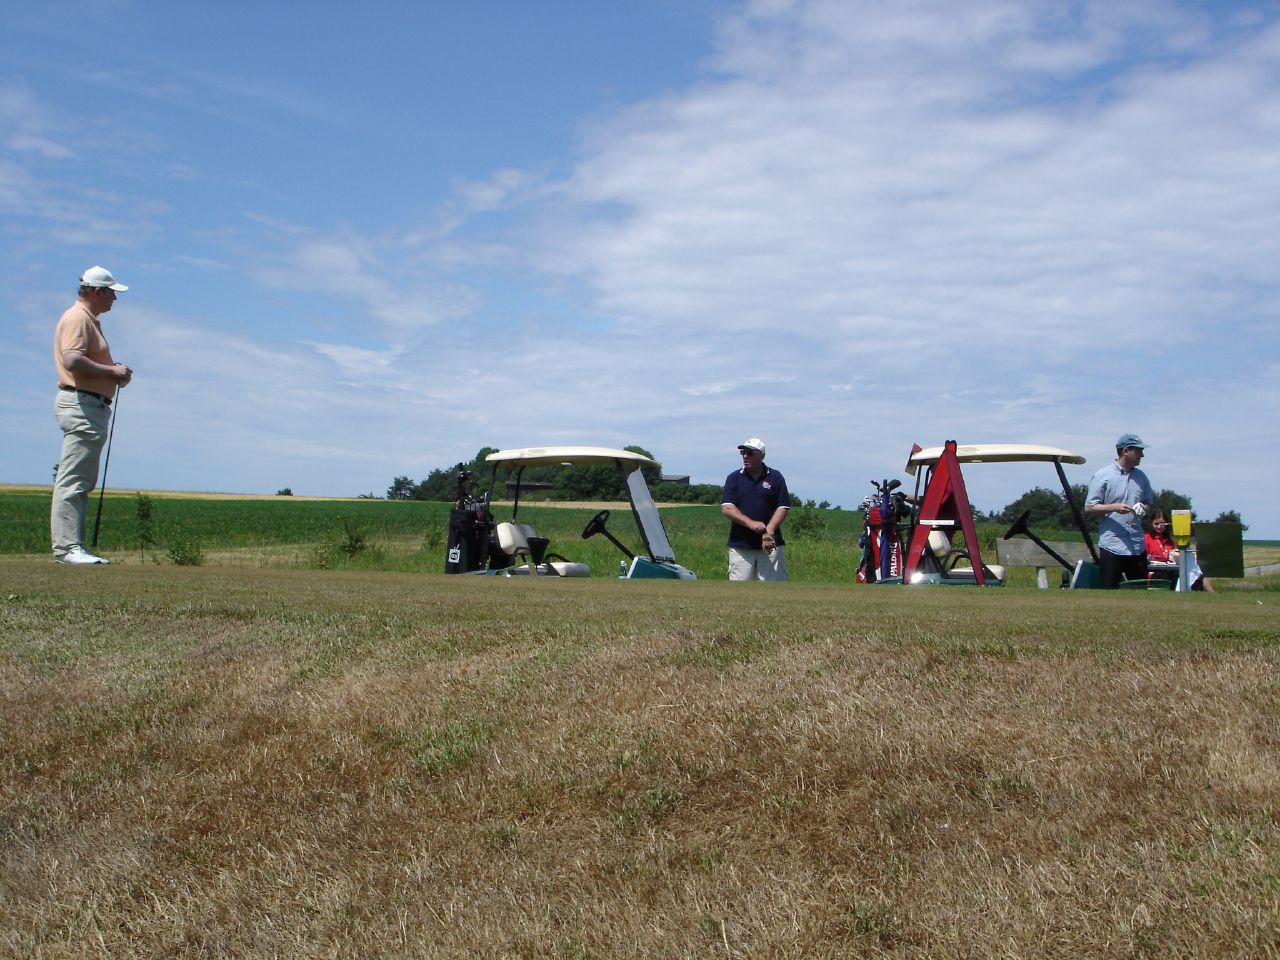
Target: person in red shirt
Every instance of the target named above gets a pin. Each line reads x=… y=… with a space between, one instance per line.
x=1159 y=541
x=1162 y=549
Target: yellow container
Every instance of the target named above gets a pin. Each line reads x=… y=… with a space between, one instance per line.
x=1181 y=520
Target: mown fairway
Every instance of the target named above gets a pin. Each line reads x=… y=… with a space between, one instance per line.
x=231 y=762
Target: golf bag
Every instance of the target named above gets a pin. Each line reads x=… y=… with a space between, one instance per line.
x=470 y=529
x=468 y=540
x=881 y=540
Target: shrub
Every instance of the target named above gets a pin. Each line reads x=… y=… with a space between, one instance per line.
x=806 y=522
x=143 y=509
x=353 y=541
x=350 y=543
x=185 y=551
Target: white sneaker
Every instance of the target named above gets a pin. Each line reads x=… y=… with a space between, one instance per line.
x=79 y=555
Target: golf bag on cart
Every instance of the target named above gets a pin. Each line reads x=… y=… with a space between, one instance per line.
x=881 y=541
x=470 y=527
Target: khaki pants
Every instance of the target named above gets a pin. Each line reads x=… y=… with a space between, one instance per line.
x=84 y=421
x=747 y=564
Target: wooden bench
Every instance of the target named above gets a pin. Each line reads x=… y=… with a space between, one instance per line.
x=1021 y=552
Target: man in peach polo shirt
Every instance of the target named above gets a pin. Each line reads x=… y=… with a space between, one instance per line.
x=87 y=382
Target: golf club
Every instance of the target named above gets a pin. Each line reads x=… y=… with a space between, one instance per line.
x=102 y=488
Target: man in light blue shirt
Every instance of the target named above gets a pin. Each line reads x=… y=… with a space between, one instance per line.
x=1119 y=495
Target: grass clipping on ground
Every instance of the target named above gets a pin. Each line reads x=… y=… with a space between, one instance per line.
x=238 y=763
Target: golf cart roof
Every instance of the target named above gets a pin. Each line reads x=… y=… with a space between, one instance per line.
x=995 y=453
x=566 y=456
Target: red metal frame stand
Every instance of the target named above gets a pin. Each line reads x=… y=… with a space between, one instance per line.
x=945 y=506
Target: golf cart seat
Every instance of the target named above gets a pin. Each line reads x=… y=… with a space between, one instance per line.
x=512 y=540
x=517 y=540
x=948 y=558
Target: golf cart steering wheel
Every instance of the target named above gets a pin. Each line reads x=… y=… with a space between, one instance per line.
x=1019 y=526
x=595 y=525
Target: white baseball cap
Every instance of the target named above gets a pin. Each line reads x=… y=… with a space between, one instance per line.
x=754 y=443
x=101 y=277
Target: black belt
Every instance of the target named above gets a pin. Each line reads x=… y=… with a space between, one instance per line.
x=90 y=393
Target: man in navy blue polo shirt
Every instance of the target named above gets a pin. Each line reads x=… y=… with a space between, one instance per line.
x=756 y=501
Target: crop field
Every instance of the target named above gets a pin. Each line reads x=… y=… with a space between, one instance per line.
x=224 y=761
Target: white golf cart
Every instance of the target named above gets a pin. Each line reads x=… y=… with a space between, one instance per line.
x=479 y=545
x=941 y=544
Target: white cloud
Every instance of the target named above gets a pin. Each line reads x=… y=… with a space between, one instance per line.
x=864 y=225
x=355 y=361
x=770 y=200
x=1001 y=220
x=351 y=269
x=26 y=125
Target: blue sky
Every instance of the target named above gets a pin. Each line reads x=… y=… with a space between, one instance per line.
x=366 y=240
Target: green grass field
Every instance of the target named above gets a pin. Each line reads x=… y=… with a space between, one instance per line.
x=232 y=762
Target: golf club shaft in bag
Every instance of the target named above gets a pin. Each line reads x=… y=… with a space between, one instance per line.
x=102 y=487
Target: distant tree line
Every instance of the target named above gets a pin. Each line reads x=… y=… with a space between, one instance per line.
x=1049 y=508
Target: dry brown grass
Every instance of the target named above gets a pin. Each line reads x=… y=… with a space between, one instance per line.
x=209 y=763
